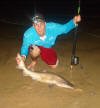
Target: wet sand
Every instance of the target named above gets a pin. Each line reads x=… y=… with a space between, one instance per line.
x=17 y=91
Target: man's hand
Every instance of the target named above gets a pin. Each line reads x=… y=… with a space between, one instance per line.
x=77 y=19
x=33 y=63
x=18 y=61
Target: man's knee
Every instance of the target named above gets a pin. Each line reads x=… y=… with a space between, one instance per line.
x=34 y=51
x=55 y=66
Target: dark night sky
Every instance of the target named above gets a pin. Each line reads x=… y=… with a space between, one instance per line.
x=22 y=8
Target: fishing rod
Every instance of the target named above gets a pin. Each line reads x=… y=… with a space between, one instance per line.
x=75 y=59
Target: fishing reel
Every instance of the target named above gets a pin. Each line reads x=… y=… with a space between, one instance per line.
x=74 y=60
x=75 y=63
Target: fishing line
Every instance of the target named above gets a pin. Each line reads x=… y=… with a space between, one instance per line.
x=10 y=22
x=91 y=34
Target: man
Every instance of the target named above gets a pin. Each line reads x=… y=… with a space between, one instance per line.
x=39 y=40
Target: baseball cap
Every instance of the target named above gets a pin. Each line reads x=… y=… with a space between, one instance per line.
x=36 y=19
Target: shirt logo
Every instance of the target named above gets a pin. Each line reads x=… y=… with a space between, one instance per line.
x=51 y=38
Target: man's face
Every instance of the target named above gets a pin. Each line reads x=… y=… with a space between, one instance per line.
x=40 y=28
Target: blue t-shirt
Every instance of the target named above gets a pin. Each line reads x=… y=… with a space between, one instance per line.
x=52 y=31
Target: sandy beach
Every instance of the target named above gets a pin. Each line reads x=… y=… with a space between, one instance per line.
x=17 y=91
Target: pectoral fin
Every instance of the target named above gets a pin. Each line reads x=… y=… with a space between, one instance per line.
x=25 y=74
x=51 y=85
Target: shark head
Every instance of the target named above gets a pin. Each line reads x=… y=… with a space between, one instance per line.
x=21 y=65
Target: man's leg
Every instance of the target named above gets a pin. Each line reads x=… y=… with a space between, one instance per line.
x=34 y=52
x=49 y=56
x=33 y=63
x=54 y=66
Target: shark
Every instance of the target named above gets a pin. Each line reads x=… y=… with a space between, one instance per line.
x=45 y=77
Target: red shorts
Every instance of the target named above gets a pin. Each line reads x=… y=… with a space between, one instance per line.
x=48 y=55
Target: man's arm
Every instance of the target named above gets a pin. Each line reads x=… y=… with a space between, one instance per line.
x=25 y=45
x=65 y=28
x=23 y=50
